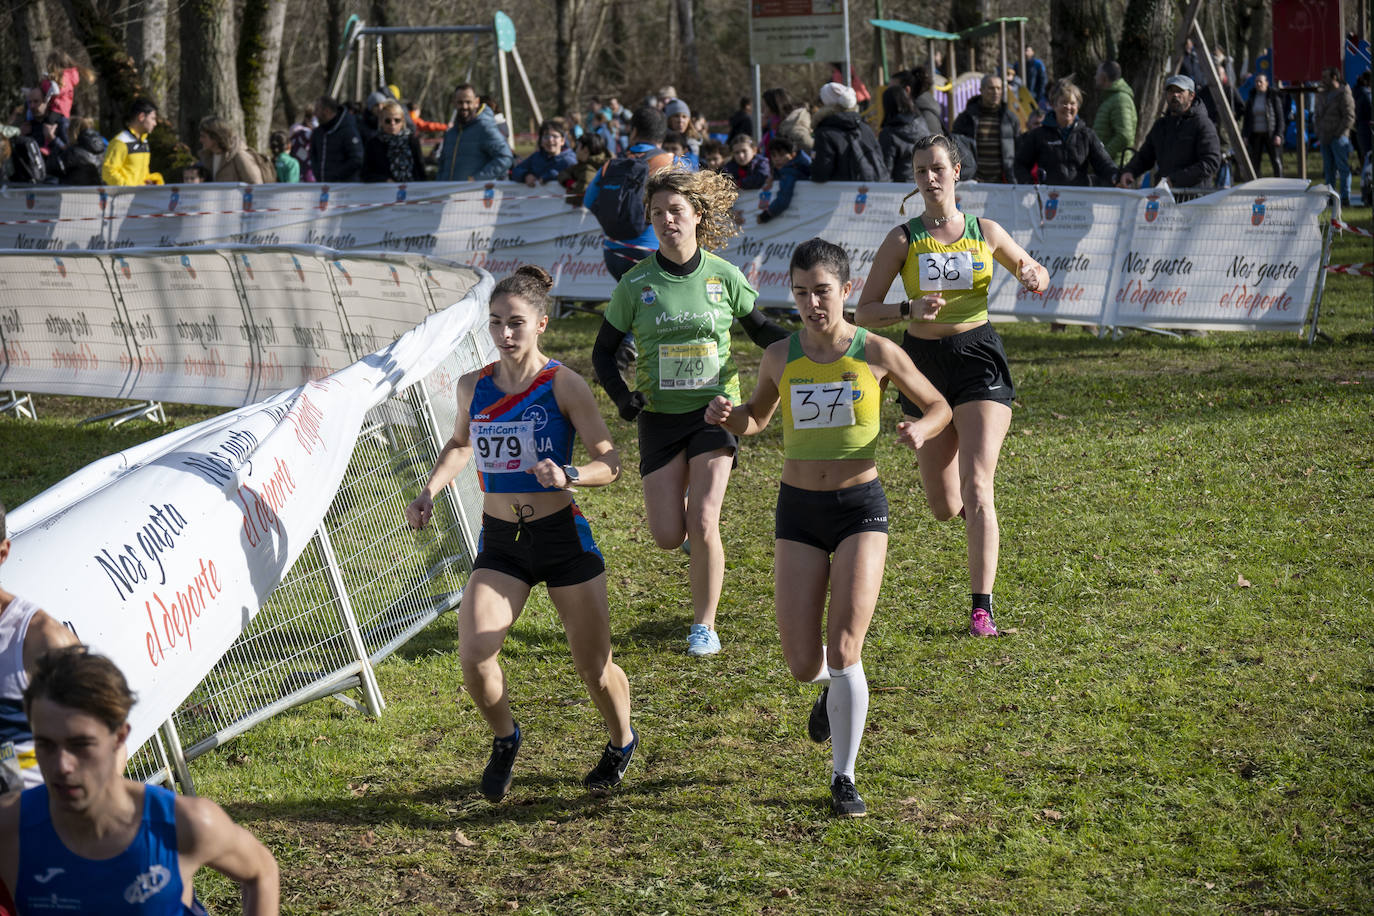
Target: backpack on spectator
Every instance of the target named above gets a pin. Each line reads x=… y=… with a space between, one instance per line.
x=266 y=170
x=27 y=159
x=619 y=207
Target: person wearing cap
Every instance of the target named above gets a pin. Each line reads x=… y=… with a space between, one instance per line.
x=1182 y=146
x=846 y=149
x=679 y=116
x=987 y=129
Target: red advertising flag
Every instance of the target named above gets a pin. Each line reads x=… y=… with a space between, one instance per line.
x=1308 y=37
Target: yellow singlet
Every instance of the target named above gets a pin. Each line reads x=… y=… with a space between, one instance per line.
x=961 y=272
x=829 y=410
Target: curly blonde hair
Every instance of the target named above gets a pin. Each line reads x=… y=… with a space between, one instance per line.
x=711 y=194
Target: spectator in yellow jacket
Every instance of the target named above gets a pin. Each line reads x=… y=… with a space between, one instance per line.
x=126 y=158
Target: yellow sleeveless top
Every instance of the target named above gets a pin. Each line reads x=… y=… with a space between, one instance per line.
x=961 y=272
x=829 y=410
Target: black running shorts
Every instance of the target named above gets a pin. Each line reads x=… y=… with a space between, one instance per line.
x=557 y=549
x=971 y=366
x=824 y=518
x=663 y=435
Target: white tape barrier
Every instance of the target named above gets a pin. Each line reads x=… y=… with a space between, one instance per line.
x=1244 y=258
x=225 y=326
x=160 y=556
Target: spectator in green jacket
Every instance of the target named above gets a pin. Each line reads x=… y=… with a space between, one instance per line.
x=1115 y=124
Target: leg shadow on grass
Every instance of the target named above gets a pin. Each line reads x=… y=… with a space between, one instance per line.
x=533 y=799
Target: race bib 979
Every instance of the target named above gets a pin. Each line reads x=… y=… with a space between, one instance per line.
x=822 y=405
x=503 y=448
x=688 y=366
x=946 y=270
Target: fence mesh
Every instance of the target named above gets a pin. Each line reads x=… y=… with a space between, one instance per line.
x=299 y=647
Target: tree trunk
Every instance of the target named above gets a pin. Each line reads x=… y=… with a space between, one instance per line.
x=259 y=62
x=562 y=53
x=1254 y=29
x=1078 y=30
x=687 y=29
x=119 y=76
x=286 y=101
x=34 y=38
x=1147 y=43
x=590 y=51
x=965 y=15
x=208 y=83
x=148 y=43
x=333 y=37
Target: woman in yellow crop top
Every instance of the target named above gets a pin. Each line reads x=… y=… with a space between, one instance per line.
x=831 y=523
x=945 y=261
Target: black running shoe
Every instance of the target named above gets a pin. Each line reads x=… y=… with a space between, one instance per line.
x=818 y=723
x=845 y=800
x=608 y=772
x=496 y=777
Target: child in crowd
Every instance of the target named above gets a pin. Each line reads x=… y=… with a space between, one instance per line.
x=713 y=155
x=746 y=167
x=591 y=156
x=550 y=159
x=195 y=174
x=676 y=143
x=789 y=165
x=288 y=166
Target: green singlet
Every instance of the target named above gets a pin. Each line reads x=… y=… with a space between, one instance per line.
x=682 y=328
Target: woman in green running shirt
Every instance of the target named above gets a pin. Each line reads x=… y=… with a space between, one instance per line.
x=680 y=304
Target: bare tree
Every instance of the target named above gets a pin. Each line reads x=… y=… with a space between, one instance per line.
x=1078 y=43
x=1147 y=39
x=259 y=61
x=564 y=53
x=208 y=83
x=687 y=30
x=34 y=39
x=147 y=40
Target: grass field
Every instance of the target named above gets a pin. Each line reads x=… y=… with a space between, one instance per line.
x=1177 y=719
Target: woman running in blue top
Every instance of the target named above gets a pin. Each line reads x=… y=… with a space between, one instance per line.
x=516 y=419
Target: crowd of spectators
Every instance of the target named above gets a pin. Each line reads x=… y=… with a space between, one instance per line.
x=841 y=133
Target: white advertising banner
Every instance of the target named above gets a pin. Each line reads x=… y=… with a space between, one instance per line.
x=1247 y=258
x=160 y=556
x=205 y=326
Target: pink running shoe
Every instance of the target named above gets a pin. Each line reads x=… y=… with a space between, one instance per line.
x=980 y=624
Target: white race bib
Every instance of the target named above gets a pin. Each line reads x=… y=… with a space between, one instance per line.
x=688 y=366
x=503 y=448
x=945 y=270
x=822 y=405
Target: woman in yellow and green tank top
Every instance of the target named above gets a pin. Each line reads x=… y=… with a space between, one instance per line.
x=831 y=524
x=944 y=258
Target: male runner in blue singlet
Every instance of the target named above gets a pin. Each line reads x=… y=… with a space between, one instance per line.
x=91 y=841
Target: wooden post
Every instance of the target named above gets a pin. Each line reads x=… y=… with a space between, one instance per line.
x=1184 y=27
x=1302 y=132
x=1225 y=116
x=1006 y=90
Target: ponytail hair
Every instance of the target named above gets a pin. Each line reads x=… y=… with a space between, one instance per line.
x=530 y=283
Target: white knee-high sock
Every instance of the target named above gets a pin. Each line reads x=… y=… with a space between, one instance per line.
x=848 y=709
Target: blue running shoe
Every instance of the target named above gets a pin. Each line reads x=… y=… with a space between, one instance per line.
x=702 y=640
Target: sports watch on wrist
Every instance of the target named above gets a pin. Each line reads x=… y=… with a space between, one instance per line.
x=571 y=473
